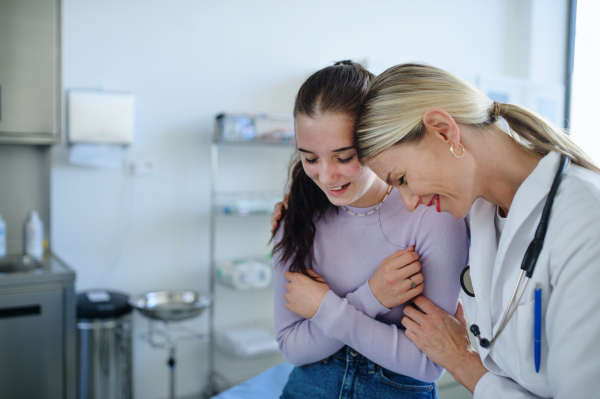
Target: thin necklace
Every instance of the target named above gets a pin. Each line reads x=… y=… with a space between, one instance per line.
x=373 y=210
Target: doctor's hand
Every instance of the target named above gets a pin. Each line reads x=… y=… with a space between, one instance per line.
x=391 y=282
x=444 y=339
x=304 y=295
x=277 y=212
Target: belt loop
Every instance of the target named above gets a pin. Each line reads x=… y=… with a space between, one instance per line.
x=373 y=367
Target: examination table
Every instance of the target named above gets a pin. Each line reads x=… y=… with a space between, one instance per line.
x=267 y=385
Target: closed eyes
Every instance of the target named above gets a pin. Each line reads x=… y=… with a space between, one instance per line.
x=312 y=161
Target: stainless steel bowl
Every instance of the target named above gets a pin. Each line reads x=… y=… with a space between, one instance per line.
x=171 y=305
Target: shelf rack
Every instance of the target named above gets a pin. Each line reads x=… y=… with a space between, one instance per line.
x=248 y=130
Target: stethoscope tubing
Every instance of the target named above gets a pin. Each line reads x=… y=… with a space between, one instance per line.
x=512 y=305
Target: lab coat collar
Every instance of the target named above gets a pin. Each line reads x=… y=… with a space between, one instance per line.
x=532 y=191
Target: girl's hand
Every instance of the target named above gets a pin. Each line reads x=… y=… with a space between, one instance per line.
x=276 y=215
x=391 y=282
x=304 y=295
x=444 y=339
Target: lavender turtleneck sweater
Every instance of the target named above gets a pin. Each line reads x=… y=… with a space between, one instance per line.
x=348 y=249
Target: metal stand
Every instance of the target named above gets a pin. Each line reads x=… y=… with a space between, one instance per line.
x=160 y=339
x=171 y=364
x=268 y=130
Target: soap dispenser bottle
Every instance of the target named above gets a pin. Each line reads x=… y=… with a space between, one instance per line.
x=34 y=236
x=2 y=237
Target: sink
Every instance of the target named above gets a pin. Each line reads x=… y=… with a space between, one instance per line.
x=19 y=264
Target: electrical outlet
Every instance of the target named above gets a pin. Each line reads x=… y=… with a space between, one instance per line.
x=140 y=167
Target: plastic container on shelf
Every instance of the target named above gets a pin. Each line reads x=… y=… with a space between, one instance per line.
x=260 y=128
x=34 y=236
x=251 y=203
x=244 y=274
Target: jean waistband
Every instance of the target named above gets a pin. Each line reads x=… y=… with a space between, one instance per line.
x=350 y=355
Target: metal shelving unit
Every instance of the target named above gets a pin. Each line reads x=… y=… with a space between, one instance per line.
x=249 y=131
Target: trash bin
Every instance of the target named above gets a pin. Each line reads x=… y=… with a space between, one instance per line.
x=104 y=345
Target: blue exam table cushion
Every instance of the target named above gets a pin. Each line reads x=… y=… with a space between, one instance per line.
x=267 y=385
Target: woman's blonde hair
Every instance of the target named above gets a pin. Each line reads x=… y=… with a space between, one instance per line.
x=392 y=113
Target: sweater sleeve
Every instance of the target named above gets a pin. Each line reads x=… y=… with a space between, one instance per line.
x=443 y=249
x=365 y=301
x=301 y=341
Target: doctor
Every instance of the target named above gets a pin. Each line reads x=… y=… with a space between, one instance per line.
x=440 y=142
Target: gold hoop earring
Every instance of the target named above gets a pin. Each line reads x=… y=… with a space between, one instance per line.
x=452 y=150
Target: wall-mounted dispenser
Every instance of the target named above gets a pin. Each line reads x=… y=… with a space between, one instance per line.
x=100 y=117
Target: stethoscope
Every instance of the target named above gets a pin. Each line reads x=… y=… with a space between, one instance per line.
x=527 y=266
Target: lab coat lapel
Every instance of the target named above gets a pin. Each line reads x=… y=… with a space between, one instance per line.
x=532 y=191
x=483 y=254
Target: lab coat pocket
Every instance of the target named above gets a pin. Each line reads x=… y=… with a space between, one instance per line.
x=517 y=351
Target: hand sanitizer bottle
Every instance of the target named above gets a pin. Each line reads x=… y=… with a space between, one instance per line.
x=2 y=238
x=34 y=236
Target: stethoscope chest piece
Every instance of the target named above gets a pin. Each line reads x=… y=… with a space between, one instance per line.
x=465 y=282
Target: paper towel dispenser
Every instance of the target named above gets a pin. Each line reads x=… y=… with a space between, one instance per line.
x=100 y=117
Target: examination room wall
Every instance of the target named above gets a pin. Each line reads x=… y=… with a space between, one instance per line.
x=187 y=60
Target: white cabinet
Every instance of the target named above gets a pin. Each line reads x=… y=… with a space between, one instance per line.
x=30 y=71
x=249 y=162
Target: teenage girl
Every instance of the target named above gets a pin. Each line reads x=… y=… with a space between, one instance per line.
x=348 y=256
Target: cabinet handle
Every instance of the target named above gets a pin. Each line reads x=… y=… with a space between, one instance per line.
x=0 y=102
x=20 y=311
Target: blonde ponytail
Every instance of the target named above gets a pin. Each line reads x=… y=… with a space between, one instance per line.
x=538 y=135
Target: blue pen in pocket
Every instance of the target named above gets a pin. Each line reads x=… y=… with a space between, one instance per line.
x=537 y=327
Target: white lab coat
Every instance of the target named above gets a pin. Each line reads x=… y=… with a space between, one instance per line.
x=568 y=270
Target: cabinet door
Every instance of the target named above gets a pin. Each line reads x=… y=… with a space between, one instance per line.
x=31 y=345
x=29 y=65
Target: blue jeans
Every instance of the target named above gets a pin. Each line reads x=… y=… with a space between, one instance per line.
x=349 y=375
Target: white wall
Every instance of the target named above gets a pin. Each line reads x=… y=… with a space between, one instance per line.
x=586 y=82
x=187 y=60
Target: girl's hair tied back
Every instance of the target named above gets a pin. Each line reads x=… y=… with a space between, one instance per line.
x=336 y=89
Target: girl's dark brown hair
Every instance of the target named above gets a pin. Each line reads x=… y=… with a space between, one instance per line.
x=337 y=89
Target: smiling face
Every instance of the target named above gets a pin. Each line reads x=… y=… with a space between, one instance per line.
x=427 y=174
x=330 y=160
